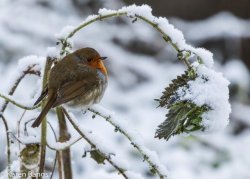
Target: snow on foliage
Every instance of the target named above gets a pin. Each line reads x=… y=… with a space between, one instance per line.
x=209 y=88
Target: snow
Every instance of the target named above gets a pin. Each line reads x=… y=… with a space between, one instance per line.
x=62 y=145
x=64 y=32
x=132 y=175
x=29 y=140
x=175 y=35
x=241 y=112
x=235 y=70
x=133 y=136
x=29 y=61
x=145 y=11
x=37 y=64
x=209 y=88
x=120 y=123
x=97 y=140
x=206 y=56
x=25 y=103
x=15 y=167
x=53 y=52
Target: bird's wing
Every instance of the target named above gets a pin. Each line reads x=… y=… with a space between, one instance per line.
x=43 y=95
x=70 y=91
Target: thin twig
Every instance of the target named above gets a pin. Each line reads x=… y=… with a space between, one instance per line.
x=18 y=126
x=93 y=145
x=86 y=24
x=18 y=104
x=54 y=165
x=8 y=143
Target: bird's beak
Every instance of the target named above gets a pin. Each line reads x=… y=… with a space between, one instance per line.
x=103 y=58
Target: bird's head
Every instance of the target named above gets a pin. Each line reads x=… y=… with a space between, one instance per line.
x=92 y=58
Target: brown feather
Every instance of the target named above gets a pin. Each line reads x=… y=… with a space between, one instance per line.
x=42 y=96
x=70 y=91
x=50 y=101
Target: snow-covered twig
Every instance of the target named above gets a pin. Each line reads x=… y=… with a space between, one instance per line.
x=8 y=141
x=93 y=144
x=109 y=117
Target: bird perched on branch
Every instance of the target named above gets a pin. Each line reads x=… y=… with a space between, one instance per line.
x=79 y=80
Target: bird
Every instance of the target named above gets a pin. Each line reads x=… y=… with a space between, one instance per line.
x=78 y=80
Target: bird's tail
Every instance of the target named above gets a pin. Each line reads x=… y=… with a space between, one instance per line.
x=50 y=102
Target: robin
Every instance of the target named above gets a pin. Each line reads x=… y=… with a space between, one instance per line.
x=78 y=80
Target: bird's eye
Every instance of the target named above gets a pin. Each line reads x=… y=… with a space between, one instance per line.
x=89 y=59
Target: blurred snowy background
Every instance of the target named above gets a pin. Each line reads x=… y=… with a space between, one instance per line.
x=140 y=65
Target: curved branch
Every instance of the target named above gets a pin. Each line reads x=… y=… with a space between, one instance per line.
x=154 y=25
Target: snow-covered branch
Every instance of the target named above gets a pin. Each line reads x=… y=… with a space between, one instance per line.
x=169 y=33
x=119 y=125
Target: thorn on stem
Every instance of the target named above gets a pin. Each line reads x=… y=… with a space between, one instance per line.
x=134 y=20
